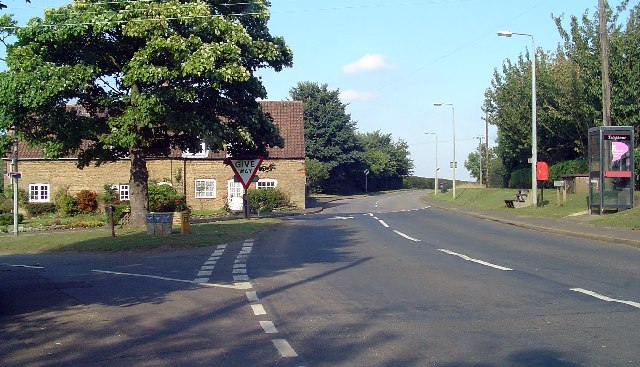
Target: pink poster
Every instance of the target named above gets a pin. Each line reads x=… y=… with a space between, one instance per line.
x=618 y=149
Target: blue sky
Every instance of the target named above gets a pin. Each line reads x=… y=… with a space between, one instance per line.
x=392 y=59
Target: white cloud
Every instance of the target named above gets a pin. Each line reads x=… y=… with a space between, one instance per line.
x=368 y=62
x=354 y=95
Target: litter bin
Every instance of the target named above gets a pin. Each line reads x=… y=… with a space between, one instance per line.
x=185 y=227
x=443 y=188
x=159 y=223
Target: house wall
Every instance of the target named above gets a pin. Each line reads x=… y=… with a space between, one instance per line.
x=60 y=174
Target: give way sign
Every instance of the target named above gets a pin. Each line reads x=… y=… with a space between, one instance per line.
x=246 y=169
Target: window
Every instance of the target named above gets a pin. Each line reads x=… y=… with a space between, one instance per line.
x=266 y=183
x=203 y=153
x=123 y=192
x=205 y=189
x=39 y=193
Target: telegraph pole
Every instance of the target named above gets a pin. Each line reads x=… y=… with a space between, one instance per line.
x=486 y=148
x=604 y=61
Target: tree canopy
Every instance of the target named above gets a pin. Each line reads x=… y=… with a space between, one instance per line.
x=330 y=135
x=568 y=90
x=146 y=76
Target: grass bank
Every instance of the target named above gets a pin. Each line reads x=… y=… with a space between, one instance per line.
x=129 y=240
x=493 y=199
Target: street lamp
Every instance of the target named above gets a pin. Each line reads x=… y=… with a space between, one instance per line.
x=534 y=136
x=453 y=123
x=435 y=187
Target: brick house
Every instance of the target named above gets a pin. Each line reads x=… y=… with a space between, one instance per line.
x=203 y=177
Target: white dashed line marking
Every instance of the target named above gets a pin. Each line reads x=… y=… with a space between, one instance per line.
x=284 y=348
x=252 y=296
x=405 y=236
x=258 y=310
x=268 y=327
x=239 y=266
x=467 y=258
x=605 y=298
x=237 y=278
x=205 y=273
x=239 y=271
x=383 y=223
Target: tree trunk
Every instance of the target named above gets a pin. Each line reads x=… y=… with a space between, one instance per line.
x=138 y=187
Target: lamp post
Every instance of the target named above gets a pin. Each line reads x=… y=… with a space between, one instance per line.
x=453 y=123
x=435 y=187
x=534 y=137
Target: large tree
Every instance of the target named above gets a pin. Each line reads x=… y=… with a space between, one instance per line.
x=388 y=161
x=147 y=76
x=330 y=135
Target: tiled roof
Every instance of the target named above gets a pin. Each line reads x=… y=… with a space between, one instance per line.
x=287 y=116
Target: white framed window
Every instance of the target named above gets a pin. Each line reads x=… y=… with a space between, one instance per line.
x=266 y=183
x=205 y=188
x=123 y=191
x=39 y=193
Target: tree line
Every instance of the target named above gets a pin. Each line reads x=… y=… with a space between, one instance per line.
x=569 y=94
x=339 y=159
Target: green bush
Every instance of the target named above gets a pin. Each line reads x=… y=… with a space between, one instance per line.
x=37 y=209
x=267 y=200
x=415 y=182
x=6 y=205
x=109 y=195
x=65 y=203
x=87 y=201
x=164 y=198
x=566 y=168
x=6 y=219
x=520 y=178
x=23 y=199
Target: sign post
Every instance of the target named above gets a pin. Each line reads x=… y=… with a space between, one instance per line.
x=15 y=175
x=366 y=180
x=245 y=170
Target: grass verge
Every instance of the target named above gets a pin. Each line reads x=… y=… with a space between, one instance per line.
x=493 y=199
x=128 y=240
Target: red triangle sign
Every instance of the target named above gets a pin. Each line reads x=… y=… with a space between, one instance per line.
x=246 y=169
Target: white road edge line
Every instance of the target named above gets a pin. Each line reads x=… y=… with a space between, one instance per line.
x=467 y=258
x=383 y=223
x=405 y=236
x=245 y=285
x=605 y=298
x=24 y=266
x=284 y=348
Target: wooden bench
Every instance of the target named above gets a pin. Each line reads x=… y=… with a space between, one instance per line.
x=520 y=200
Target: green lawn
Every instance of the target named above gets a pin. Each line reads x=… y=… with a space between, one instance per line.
x=493 y=199
x=208 y=234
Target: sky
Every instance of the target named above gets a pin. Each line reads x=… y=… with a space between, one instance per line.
x=392 y=60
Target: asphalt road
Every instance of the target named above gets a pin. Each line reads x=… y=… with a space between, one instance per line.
x=374 y=281
x=384 y=281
